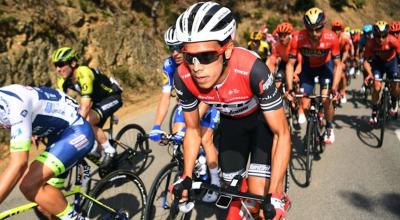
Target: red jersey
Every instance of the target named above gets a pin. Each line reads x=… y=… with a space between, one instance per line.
x=356 y=38
x=385 y=52
x=315 y=55
x=248 y=87
x=344 y=42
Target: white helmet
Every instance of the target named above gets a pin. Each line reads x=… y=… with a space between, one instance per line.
x=170 y=36
x=205 y=21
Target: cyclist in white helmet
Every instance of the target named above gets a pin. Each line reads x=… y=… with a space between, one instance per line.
x=240 y=86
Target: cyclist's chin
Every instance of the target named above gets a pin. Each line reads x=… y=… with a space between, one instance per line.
x=204 y=82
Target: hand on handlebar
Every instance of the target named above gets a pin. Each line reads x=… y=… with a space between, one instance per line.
x=368 y=79
x=281 y=203
x=156 y=133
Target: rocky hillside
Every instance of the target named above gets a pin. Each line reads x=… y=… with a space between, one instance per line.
x=124 y=37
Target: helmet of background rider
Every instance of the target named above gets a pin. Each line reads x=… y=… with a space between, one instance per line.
x=206 y=21
x=314 y=18
x=64 y=54
x=380 y=28
x=170 y=37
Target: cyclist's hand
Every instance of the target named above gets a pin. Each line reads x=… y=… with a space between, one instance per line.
x=179 y=191
x=178 y=137
x=367 y=79
x=296 y=77
x=334 y=95
x=155 y=133
x=281 y=203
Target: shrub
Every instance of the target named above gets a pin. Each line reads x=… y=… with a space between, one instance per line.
x=338 y=4
x=359 y=3
x=304 y=5
x=272 y=22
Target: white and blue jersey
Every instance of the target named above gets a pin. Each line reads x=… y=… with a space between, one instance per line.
x=169 y=69
x=45 y=112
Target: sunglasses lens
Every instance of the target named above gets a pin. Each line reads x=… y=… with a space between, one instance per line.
x=203 y=58
x=60 y=64
x=173 y=48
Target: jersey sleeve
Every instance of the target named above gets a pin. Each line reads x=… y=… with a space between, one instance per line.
x=293 y=48
x=263 y=86
x=187 y=100
x=60 y=84
x=21 y=128
x=86 y=80
x=395 y=44
x=169 y=69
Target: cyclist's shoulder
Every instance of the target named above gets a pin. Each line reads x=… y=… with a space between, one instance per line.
x=84 y=71
x=169 y=65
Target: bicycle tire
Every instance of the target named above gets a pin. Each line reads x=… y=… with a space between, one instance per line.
x=172 y=118
x=382 y=117
x=310 y=145
x=167 y=175
x=130 y=200
x=135 y=154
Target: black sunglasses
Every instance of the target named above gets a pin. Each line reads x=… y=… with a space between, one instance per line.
x=204 y=57
x=177 y=47
x=284 y=34
x=60 y=64
x=317 y=29
x=380 y=35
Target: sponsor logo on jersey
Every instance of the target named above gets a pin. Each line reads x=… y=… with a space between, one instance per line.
x=79 y=142
x=16 y=133
x=24 y=113
x=308 y=52
x=242 y=72
x=179 y=92
x=263 y=86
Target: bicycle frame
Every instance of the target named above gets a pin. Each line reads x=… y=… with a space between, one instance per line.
x=76 y=190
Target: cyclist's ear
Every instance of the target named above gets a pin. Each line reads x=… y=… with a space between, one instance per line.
x=229 y=49
x=74 y=63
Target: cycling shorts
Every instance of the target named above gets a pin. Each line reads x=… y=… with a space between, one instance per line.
x=380 y=67
x=106 y=107
x=73 y=144
x=240 y=138
x=209 y=119
x=308 y=74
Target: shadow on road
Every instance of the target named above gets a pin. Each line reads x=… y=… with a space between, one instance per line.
x=388 y=201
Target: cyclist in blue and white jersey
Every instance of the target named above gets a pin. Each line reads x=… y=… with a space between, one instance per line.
x=42 y=112
x=208 y=121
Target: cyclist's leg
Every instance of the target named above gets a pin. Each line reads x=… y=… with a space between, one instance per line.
x=326 y=73
x=392 y=72
x=100 y=112
x=307 y=85
x=378 y=70
x=74 y=143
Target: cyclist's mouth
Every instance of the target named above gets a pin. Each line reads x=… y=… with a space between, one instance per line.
x=201 y=79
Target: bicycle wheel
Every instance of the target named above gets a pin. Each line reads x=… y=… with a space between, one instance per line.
x=159 y=198
x=132 y=154
x=172 y=118
x=310 y=146
x=382 y=116
x=120 y=190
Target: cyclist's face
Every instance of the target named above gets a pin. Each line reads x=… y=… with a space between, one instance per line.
x=205 y=60
x=315 y=33
x=64 y=70
x=284 y=38
x=178 y=57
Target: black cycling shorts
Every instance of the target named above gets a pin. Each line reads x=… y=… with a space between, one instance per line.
x=241 y=138
x=106 y=107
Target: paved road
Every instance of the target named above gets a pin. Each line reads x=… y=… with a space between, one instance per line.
x=353 y=179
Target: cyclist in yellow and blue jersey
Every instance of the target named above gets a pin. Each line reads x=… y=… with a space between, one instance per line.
x=100 y=95
x=258 y=45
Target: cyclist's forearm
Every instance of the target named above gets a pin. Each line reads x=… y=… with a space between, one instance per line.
x=280 y=154
x=289 y=74
x=337 y=70
x=367 y=66
x=85 y=106
x=345 y=56
x=9 y=178
x=162 y=108
x=191 y=146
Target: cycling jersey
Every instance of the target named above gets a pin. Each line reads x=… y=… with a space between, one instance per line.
x=209 y=119
x=263 y=50
x=90 y=83
x=315 y=55
x=248 y=86
x=45 y=112
x=344 y=43
x=169 y=69
x=385 y=52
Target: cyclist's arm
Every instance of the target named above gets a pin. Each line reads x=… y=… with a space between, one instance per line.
x=162 y=108
x=19 y=147
x=86 y=80
x=271 y=104
x=13 y=172
x=289 y=72
x=192 y=139
x=337 y=70
x=203 y=108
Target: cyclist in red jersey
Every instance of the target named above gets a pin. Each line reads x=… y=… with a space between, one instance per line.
x=395 y=29
x=381 y=51
x=319 y=48
x=345 y=47
x=355 y=39
x=238 y=83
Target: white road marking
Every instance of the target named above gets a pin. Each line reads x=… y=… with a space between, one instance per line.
x=397 y=131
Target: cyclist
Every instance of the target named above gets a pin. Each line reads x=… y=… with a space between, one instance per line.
x=319 y=48
x=42 y=112
x=395 y=29
x=382 y=51
x=210 y=115
x=345 y=47
x=259 y=45
x=100 y=95
x=239 y=85
x=367 y=34
x=355 y=39
x=280 y=55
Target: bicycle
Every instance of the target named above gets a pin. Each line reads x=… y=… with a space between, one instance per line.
x=384 y=103
x=132 y=149
x=159 y=196
x=226 y=195
x=103 y=201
